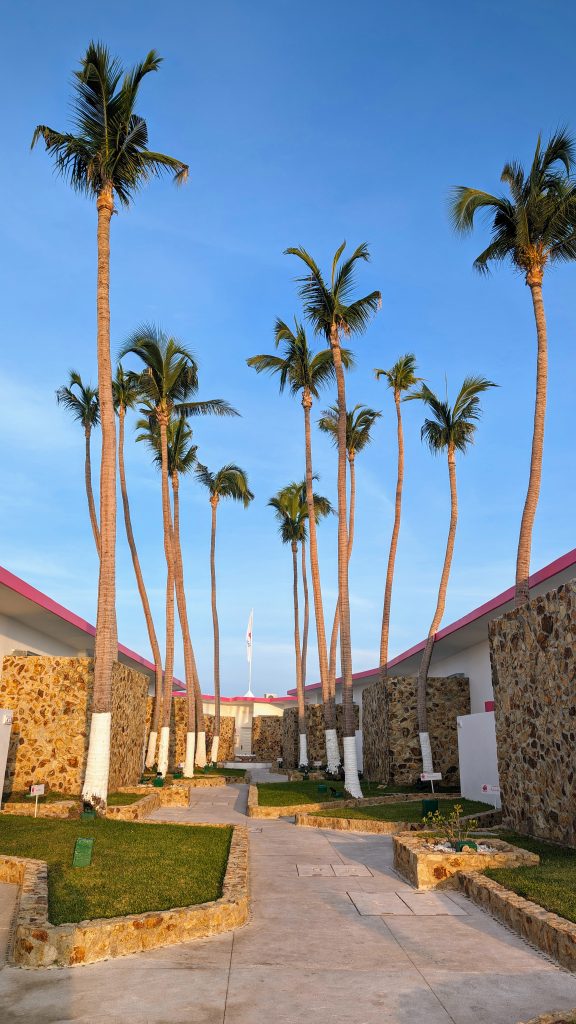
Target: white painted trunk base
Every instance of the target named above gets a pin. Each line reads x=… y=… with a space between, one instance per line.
x=201 y=749
x=189 y=759
x=303 y=748
x=163 y=749
x=95 y=788
x=332 y=751
x=426 y=750
x=351 y=780
x=214 y=751
x=151 y=752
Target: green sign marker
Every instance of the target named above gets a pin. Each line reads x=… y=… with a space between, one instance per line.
x=82 y=853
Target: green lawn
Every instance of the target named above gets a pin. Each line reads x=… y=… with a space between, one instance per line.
x=134 y=867
x=52 y=797
x=282 y=794
x=552 y=884
x=407 y=811
x=239 y=772
x=122 y=799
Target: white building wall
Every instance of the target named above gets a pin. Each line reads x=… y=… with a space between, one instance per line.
x=478 y=758
x=473 y=662
x=16 y=635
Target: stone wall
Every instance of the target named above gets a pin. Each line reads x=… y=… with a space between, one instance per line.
x=51 y=698
x=314 y=730
x=390 y=727
x=267 y=737
x=179 y=728
x=533 y=655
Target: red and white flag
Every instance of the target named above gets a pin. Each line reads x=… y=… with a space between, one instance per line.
x=249 y=638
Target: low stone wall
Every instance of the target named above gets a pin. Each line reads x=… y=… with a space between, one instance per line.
x=51 y=699
x=388 y=828
x=390 y=727
x=553 y=934
x=533 y=655
x=314 y=730
x=61 y=809
x=256 y=810
x=427 y=869
x=561 y=1017
x=267 y=737
x=37 y=943
x=179 y=728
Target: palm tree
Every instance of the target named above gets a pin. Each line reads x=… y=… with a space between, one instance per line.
x=228 y=482
x=322 y=508
x=359 y=423
x=82 y=401
x=451 y=429
x=535 y=226
x=106 y=156
x=400 y=378
x=291 y=510
x=307 y=373
x=167 y=384
x=332 y=311
x=126 y=393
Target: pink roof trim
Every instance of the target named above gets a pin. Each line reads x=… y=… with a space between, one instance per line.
x=552 y=569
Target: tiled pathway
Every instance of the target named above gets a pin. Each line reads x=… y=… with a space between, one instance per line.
x=347 y=944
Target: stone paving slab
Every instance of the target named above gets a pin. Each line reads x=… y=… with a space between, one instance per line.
x=378 y=903
x=351 y=870
x=430 y=904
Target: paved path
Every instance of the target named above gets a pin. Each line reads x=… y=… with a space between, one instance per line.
x=317 y=949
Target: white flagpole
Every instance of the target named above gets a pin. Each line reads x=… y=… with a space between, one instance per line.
x=249 y=646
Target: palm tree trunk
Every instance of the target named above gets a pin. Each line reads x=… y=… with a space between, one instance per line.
x=306 y=622
x=384 y=636
x=302 y=744
x=155 y=647
x=351 y=781
x=189 y=659
x=216 y=628
x=522 y=594
x=336 y=623
x=95 y=788
x=329 y=708
x=440 y=605
x=164 y=747
x=90 y=493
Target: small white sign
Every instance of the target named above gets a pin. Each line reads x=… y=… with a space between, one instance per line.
x=490 y=789
x=430 y=776
x=37 y=790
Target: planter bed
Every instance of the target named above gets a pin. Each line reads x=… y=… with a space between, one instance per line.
x=211 y=870
x=385 y=818
x=258 y=810
x=429 y=869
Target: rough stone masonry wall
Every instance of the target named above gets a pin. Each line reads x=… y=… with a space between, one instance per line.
x=314 y=730
x=51 y=698
x=267 y=737
x=390 y=727
x=533 y=655
x=179 y=728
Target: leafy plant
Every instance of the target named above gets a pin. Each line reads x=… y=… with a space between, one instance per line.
x=453 y=828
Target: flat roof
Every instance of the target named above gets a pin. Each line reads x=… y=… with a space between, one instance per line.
x=471 y=628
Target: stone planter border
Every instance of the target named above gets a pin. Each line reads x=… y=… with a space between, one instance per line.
x=549 y=932
x=37 y=943
x=256 y=810
x=375 y=827
x=427 y=870
x=557 y=1017
x=58 y=809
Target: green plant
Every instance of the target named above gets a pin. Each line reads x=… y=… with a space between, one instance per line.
x=453 y=828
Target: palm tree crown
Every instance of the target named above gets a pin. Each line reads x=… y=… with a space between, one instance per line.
x=108 y=147
x=537 y=223
x=126 y=389
x=359 y=423
x=181 y=451
x=299 y=368
x=228 y=482
x=291 y=511
x=329 y=306
x=452 y=427
x=81 y=400
x=402 y=376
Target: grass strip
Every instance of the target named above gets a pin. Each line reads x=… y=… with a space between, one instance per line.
x=410 y=811
x=552 y=884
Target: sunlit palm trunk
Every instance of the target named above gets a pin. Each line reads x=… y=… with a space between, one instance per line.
x=89 y=491
x=384 y=637
x=329 y=707
x=525 y=540
x=216 y=630
x=155 y=719
x=95 y=787
x=163 y=751
x=306 y=617
x=302 y=745
x=189 y=659
x=351 y=781
x=336 y=623
x=427 y=655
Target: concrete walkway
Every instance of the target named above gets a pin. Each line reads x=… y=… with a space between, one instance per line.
x=335 y=938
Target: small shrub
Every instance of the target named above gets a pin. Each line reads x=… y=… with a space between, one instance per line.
x=453 y=828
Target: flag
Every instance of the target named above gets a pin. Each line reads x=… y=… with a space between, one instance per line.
x=249 y=637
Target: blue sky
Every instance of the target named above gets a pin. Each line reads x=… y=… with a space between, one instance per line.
x=302 y=124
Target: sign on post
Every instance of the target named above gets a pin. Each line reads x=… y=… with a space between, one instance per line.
x=36 y=791
x=430 y=777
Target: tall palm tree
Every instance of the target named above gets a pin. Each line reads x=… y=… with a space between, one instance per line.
x=535 y=226
x=322 y=508
x=82 y=401
x=450 y=429
x=333 y=312
x=291 y=512
x=126 y=391
x=106 y=156
x=359 y=423
x=228 y=482
x=167 y=384
x=400 y=378
x=306 y=373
